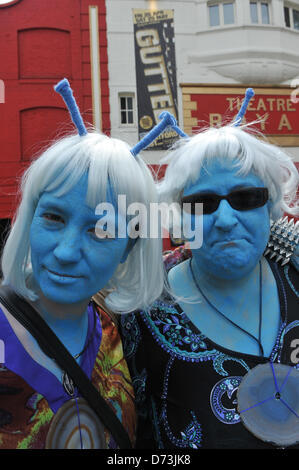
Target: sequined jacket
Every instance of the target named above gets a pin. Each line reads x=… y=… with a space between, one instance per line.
x=186 y=385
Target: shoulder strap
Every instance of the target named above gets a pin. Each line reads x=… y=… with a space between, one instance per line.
x=53 y=348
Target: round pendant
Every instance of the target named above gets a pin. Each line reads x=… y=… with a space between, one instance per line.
x=268 y=403
x=64 y=432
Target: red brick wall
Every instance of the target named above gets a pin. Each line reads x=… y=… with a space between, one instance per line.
x=41 y=43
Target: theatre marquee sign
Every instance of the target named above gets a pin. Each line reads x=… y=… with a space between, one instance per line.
x=274 y=108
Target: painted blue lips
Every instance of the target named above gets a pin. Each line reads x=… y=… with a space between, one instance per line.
x=62 y=274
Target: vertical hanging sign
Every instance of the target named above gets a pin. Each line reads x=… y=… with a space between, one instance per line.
x=155 y=72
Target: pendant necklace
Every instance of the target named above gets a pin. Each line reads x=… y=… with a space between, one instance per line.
x=257 y=340
x=67 y=382
x=75 y=425
x=69 y=386
x=267 y=400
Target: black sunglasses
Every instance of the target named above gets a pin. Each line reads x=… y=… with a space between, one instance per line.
x=239 y=199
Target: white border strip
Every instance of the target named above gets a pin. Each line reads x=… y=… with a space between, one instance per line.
x=95 y=67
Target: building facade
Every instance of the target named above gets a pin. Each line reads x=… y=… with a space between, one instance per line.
x=41 y=43
x=129 y=60
x=221 y=48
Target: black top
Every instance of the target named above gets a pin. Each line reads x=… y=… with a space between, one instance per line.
x=185 y=384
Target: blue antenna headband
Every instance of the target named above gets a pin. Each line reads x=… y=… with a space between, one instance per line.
x=63 y=87
x=249 y=93
x=167 y=119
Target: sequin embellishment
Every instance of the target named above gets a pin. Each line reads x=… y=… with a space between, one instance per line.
x=226 y=390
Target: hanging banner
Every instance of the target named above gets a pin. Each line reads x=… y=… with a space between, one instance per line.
x=155 y=72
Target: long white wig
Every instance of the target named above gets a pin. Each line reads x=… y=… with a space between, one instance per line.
x=139 y=280
x=253 y=153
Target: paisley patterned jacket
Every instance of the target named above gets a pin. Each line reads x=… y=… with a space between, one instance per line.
x=186 y=385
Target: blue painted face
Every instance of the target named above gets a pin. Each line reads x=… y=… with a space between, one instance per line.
x=233 y=241
x=70 y=263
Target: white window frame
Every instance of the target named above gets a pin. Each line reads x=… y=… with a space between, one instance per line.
x=259 y=11
x=291 y=7
x=120 y=110
x=220 y=4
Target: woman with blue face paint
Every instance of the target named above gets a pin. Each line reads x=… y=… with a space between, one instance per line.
x=215 y=354
x=62 y=250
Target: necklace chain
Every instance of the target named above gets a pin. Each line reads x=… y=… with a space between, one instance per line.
x=90 y=337
x=258 y=340
x=67 y=382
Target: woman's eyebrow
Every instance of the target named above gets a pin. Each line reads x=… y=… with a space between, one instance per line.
x=59 y=206
x=244 y=185
x=51 y=205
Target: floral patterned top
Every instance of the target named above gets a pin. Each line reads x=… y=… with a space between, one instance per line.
x=31 y=397
x=186 y=385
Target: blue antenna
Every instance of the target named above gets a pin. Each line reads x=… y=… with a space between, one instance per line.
x=248 y=95
x=63 y=87
x=167 y=120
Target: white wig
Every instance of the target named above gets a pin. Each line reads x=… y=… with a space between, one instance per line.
x=138 y=281
x=253 y=153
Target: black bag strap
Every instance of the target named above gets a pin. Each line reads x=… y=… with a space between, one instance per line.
x=53 y=348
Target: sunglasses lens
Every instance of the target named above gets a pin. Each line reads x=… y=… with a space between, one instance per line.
x=210 y=203
x=199 y=204
x=241 y=200
x=247 y=199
